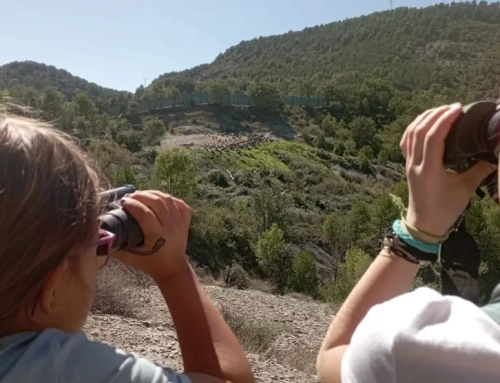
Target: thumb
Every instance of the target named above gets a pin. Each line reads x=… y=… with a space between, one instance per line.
x=476 y=174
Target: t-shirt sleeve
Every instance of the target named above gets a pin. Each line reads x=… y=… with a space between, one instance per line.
x=80 y=360
x=385 y=331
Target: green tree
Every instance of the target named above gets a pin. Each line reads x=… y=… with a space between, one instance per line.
x=157 y=90
x=306 y=88
x=52 y=102
x=133 y=107
x=303 y=277
x=338 y=237
x=173 y=92
x=270 y=207
x=383 y=157
x=86 y=106
x=271 y=252
x=358 y=223
x=220 y=92
x=322 y=143
x=175 y=172
x=367 y=151
x=363 y=131
x=328 y=125
x=364 y=162
x=383 y=213
x=154 y=129
x=355 y=265
x=265 y=96
x=339 y=148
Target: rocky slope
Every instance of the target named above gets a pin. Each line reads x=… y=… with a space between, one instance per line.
x=281 y=334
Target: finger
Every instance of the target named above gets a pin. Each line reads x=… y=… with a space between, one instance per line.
x=435 y=139
x=421 y=131
x=145 y=217
x=406 y=142
x=156 y=204
x=182 y=207
x=170 y=201
x=473 y=177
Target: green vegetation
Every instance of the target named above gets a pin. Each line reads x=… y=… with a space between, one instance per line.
x=306 y=214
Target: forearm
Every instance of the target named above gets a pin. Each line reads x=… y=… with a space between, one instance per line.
x=207 y=344
x=386 y=278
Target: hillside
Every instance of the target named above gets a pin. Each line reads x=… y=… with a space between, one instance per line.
x=40 y=76
x=441 y=47
x=310 y=183
x=289 y=200
x=281 y=335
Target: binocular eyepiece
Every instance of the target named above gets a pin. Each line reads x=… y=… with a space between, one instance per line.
x=474 y=136
x=128 y=233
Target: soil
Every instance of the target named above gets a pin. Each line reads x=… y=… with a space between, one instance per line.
x=300 y=325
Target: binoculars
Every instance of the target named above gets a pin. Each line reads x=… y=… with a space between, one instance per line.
x=128 y=233
x=474 y=136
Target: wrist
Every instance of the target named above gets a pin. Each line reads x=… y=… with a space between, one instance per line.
x=418 y=234
x=179 y=267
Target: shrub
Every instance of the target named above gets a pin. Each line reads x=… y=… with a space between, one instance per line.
x=236 y=276
x=218 y=178
x=303 y=278
x=117 y=291
x=271 y=251
x=254 y=336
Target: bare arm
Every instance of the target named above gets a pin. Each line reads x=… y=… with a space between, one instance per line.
x=386 y=278
x=210 y=351
x=207 y=344
x=436 y=200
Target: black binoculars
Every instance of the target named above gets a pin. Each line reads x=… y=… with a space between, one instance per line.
x=128 y=233
x=474 y=136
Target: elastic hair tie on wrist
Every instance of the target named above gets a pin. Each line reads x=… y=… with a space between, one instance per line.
x=414 y=242
x=416 y=230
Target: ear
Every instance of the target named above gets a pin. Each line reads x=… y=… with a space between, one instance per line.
x=51 y=299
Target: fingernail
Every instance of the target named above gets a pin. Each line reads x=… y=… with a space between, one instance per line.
x=122 y=201
x=127 y=195
x=456 y=106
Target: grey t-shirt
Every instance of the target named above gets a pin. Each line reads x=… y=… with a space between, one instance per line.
x=53 y=356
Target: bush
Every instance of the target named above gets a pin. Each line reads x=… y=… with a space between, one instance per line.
x=254 y=336
x=351 y=271
x=236 y=276
x=367 y=151
x=218 y=178
x=154 y=129
x=339 y=148
x=175 y=172
x=271 y=251
x=364 y=162
x=303 y=278
x=117 y=291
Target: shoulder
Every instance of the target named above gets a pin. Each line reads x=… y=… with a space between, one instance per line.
x=419 y=325
x=77 y=359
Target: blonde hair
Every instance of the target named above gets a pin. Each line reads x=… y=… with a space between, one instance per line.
x=49 y=206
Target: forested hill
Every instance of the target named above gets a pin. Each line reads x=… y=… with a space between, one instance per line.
x=438 y=48
x=40 y=76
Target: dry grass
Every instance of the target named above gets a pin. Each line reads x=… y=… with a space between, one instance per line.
x=261 y=338
x=260 y=285
x=117 y=291
x=255 y=336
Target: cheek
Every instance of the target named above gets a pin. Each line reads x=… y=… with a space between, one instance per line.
x=88 y=269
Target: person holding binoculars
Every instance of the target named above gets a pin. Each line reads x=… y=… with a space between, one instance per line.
x=382 y=333
x=52 y=248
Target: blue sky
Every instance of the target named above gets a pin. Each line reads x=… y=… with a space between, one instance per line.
x=116 y=43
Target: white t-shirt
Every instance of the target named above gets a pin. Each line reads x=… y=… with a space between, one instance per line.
x=424 y=337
